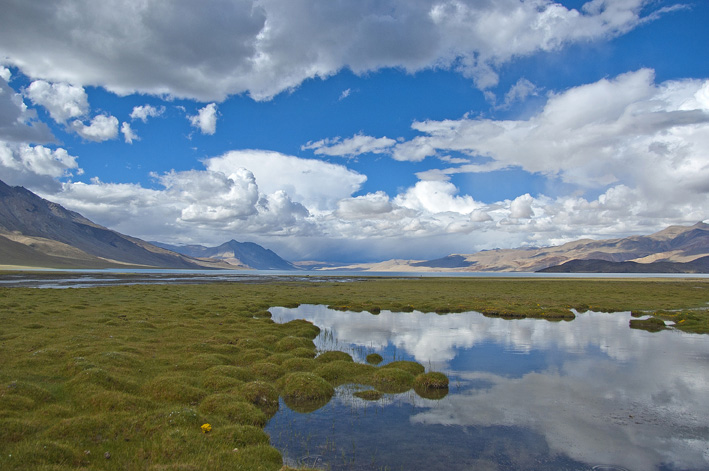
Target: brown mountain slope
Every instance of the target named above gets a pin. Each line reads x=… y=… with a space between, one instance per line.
x=679 y=244
x=37 y=232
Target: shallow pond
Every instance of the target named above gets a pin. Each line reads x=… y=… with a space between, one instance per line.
x=590 y=394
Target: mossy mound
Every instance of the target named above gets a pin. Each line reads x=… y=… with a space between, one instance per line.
x=302 y=328
x=369 y=395
x=236 y=372
x=266 y=371
x=432 y=385
x=83 y=428
x=374 y=359
x=216 y=382
x=34 y=454
x=290 y=343
x=102 y=378
x=121 y=359
x=653 y=324
x=341 y=372
x=431 y=380
x=278 y=358
x=392 y=380
x=10 y=405
x=240 y=435
x=15 y=430
x=304 y=386
x=303 y=352
x=261 y=394
x=248 y=357
x=299 y=364
x=99 y=400
x=234 y=408
x=247 y=343
x=204 y=361
x=334 y=355
x=411 y=366
x=174 y=388
x=28 y=390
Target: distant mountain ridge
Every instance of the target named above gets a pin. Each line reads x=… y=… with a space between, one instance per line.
x=247 y=254
x=39 y=233
x=699 y=265
x=675 y=244
x=35 y=232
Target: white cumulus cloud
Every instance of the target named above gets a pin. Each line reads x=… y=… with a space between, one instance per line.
x=61 y=100
x=623 y=130
x=143 y=112
x=316 y=184
x=35 y=166
x=18 y=123
x=205 y=119
x=102 y=128
x=355 y=145
x=128 y=134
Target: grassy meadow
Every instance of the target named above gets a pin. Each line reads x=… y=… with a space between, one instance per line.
x=128 y=377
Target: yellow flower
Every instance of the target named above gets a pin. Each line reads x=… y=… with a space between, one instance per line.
x=206 y=428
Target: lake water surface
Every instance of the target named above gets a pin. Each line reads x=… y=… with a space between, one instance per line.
x=589 y=394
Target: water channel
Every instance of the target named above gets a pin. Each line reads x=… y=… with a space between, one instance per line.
x=587 y=394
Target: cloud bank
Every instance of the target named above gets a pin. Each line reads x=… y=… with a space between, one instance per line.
x=620 y=155
x=263 y=47
x=638 y=145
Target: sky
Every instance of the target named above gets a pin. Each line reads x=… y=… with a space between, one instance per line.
x=361 y=130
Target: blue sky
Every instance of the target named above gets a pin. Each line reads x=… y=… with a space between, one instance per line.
x=361 y=130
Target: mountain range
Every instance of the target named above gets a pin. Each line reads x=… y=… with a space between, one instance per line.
x=35 y=232
x=672 y=250
x=238 y=254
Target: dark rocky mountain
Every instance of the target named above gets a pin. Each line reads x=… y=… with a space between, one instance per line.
x=37 y=232
x=699 y=265
x=451 y=261
x=245 y=254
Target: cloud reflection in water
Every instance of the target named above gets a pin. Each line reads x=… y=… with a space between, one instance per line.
x=603 y=394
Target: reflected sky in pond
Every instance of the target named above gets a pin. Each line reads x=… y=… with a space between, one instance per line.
x=525 y=394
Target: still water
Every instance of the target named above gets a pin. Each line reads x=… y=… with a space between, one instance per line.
x=589 y=394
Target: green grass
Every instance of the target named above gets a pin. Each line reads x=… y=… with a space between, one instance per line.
x=135 y=371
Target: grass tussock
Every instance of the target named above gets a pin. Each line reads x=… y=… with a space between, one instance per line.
x=124 y=377
x=392 y=380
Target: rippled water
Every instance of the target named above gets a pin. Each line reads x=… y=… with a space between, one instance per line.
x=525 y=394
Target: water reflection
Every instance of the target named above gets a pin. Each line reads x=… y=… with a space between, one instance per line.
x=562 y=394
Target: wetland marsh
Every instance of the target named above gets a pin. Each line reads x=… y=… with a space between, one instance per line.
x=125 y=377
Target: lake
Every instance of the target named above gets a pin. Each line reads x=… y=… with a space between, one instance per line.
x=87 y=278
x=587 y=394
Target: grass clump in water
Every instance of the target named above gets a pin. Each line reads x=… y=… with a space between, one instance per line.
x=369 y=395
x=431 y=385
x=305 y=392
x=653 y=324
x=333 y=355
x=304 y=386
x=374 y=359
x=410 y=366
x=392 y=380
x=431 y=380
x=342 y=372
